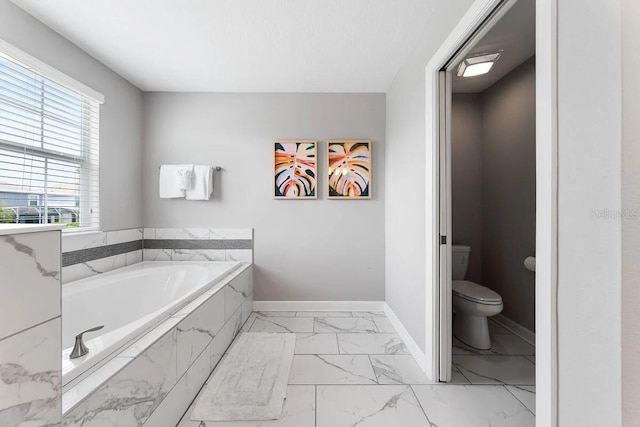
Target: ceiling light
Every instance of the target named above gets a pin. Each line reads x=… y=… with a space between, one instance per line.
x=477 y=65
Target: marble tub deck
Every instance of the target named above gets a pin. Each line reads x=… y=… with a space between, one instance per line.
x=352 y=369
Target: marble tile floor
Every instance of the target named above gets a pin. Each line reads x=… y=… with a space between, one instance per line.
x=352 y=369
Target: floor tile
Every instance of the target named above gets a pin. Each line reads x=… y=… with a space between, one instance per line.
x=514 y=370
x=345 y=325
x=282 y=324
x=472 y=406
x=497 y=329
x=384 y=325
x=331 y=369
x=313 y=343
x=299 y=411
x=457 y=377
x=526 y=394
x=367 y=313
x=323 y=314
x=507 y=344
x=247 y=325
x=398 y=369
x=371 y=344
x=275 y=313
x=369 y=406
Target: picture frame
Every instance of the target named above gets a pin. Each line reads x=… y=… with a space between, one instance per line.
x=295 y=169
x=348 y=171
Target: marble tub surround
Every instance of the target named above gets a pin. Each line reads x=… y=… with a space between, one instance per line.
x=198 y=244
x=87 y=254
x=95 y=252
x=378 y=387
x=153 y=380
x=30 y=339
x=30 y=278
x=30 y=379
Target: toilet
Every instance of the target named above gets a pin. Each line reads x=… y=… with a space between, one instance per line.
x=472 y=303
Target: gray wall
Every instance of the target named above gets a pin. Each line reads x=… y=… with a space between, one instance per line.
x=121 y=117
x=630 y=204
x=405 y=280
x=493 y=168
x=304 y=249
x=509 y=191
x=466 y=178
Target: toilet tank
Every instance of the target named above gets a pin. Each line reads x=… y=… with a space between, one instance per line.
x=459 y=261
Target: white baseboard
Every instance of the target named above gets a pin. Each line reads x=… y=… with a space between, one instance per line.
x=409 y=342
x=319 y=305
x=516 y=328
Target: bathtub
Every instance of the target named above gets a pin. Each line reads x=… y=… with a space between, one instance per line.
x=128 y=301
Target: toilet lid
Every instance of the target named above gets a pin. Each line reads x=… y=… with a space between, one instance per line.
x=475 y=292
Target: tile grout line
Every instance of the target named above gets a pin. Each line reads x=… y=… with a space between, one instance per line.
x=516 y=397
x=420 y=404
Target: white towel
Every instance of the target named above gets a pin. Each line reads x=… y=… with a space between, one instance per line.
x=186 y=178
x=202 y=183
x=172 y=180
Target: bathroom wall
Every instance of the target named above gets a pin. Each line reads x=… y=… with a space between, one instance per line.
x=304 y=249
x=466 y=178
x=630 y=205
x=509 y=191
x=407 y=223
x=493 y=187
x=589 y=241
x=121 y=114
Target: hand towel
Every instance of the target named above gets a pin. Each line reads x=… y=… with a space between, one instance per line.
x=171 y=180
x=186 y=178
x=202 y=183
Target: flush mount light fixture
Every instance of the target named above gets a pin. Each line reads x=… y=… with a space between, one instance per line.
x=477 y=65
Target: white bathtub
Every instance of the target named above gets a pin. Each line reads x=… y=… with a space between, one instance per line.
x=128 y=301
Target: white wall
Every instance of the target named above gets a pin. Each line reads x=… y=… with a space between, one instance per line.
x=121 y=115
x=405 y=249
x=304 y=249
x=589 y=175
x=630 y=204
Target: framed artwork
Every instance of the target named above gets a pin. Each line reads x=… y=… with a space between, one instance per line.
x=349 y=169
x=295 y=169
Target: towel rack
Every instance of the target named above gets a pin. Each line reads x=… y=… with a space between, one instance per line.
x=218 y=168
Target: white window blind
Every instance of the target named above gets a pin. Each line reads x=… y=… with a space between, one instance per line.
x=49 y=163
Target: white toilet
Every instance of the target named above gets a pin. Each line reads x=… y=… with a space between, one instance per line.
x=472 y=302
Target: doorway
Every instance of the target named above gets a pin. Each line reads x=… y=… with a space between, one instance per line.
x=476 y=22
x=486 y=198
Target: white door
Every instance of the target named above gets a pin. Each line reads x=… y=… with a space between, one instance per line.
x=444 y=220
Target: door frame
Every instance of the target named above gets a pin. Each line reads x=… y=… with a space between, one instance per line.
x=437 y=299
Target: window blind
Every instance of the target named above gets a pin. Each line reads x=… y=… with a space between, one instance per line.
x=49 y=150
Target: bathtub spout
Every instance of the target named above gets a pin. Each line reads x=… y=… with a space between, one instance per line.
x=79 y=348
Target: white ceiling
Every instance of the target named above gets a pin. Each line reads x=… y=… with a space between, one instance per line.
x=243 y=45
x=515 y=35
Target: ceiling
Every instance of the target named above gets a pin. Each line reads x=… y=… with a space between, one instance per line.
x=243 y=45
x=515 y=35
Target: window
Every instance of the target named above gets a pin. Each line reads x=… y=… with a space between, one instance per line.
x=48 y=148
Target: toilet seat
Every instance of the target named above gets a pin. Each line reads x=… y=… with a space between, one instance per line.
x=475 y=292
